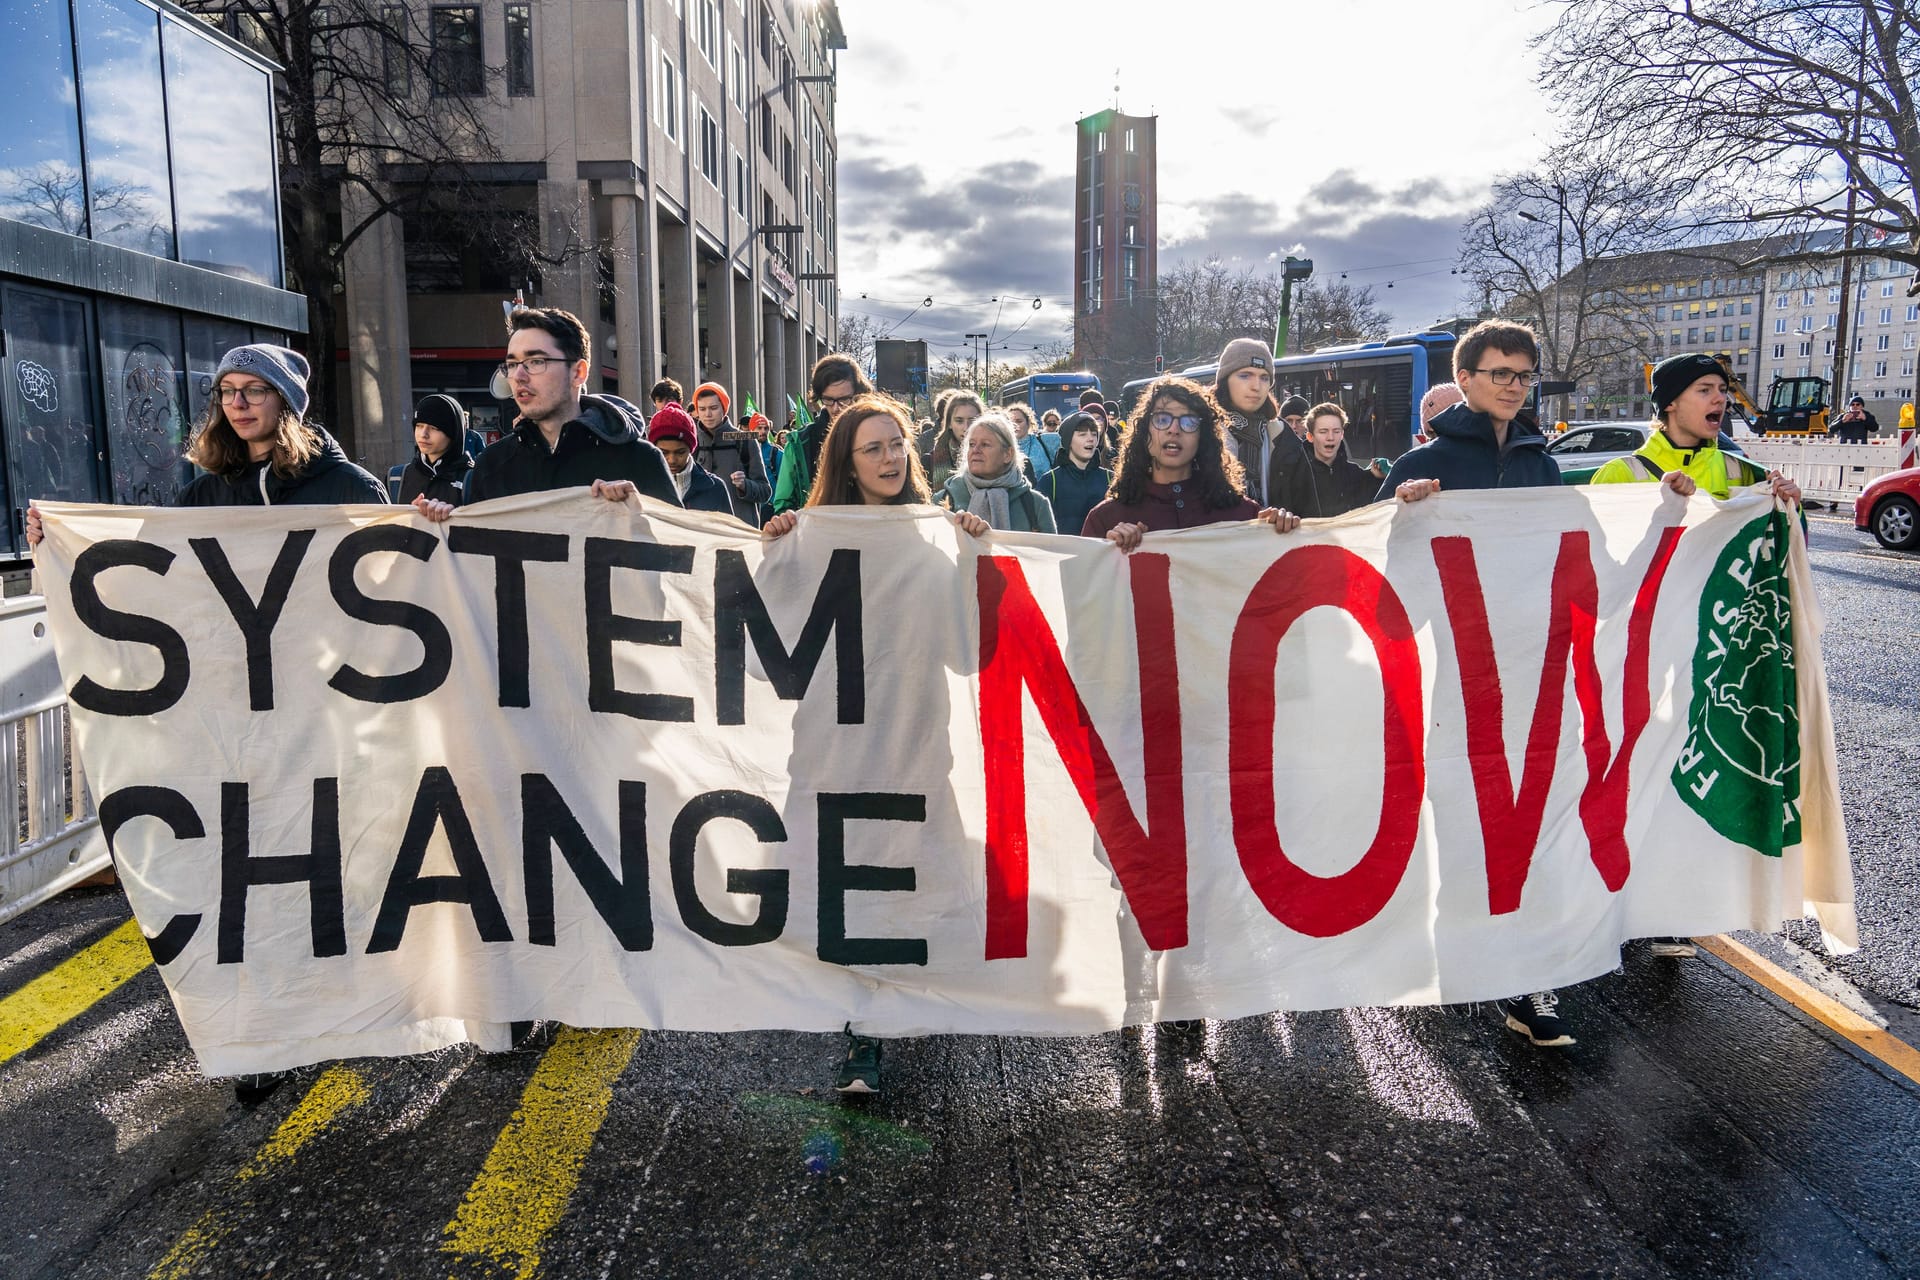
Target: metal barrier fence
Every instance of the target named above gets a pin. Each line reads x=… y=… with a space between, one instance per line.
x=1825 y=472
x=53 y=839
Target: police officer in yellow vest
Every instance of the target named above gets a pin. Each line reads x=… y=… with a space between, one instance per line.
x=1690 y=400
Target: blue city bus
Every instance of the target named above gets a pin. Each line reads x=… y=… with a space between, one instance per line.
x=1379 y=384
x=1043 y=391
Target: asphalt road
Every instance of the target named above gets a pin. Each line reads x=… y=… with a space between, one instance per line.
x=1702 y=1127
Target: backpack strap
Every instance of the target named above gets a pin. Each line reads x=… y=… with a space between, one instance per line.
x=1653 y=468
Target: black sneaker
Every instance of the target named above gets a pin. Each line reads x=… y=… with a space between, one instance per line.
x=860 y=1073
x=251 y=1091
x=1534 y=1017
x=1675 y=948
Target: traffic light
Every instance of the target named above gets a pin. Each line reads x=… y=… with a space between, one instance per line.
x=1159 y=364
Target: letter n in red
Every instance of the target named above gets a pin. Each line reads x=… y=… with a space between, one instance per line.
x=1018 y=650
x=1510 y=822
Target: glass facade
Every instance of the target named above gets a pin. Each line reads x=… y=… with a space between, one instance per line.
x=40 y=178
x=146 y=131
x=178 y=157
x=220 y=125
x=123 y=111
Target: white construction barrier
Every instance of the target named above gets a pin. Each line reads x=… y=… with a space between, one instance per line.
x=51 y=840
x=1825 y=472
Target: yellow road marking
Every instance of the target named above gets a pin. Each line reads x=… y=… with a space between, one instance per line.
x=1818 y=1005
x=338 y=1089
x=63 y=993
x=530 y=1175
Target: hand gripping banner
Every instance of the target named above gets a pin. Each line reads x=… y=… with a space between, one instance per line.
x=377 y=786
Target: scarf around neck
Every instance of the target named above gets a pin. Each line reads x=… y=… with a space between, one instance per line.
x=989 y=498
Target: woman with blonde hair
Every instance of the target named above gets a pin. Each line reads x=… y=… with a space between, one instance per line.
x=945 y=451
x=993 y=485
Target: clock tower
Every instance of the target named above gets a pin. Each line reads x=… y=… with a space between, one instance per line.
x=1116 y=255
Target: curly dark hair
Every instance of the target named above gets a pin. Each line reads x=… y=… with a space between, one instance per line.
x=1215 y=470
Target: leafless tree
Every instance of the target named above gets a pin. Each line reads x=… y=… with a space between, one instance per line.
x=854 y=334
x=1554 y=247
x=1779 y=109
x=1205 y=305
x=53 y=196
x=371 y=123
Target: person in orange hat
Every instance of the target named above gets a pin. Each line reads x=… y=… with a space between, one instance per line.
x=728 y=452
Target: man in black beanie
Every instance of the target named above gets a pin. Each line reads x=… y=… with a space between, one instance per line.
x=1293 y=412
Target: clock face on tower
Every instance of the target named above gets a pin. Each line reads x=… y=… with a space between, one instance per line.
x=1131 y=199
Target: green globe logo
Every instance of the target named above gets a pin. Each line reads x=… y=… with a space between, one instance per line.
x=1740 y=769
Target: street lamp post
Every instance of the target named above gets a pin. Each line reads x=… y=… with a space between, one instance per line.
x=975 y=338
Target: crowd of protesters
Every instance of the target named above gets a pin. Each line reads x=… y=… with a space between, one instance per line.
x=1192 y=456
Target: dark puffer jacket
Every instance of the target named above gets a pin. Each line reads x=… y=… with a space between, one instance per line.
x=442 y=481
x=1463 y=455
x=608 y=441
x=1285 y=456
x=330 y=480
x=1321 y=489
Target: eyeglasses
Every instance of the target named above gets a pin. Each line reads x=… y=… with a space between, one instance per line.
x=1187 y=422
x=1507 y=377
x=887 y=448
x=253 y=394
x=836 y=403
x=532 y=366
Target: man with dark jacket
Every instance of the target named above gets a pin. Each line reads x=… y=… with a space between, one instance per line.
x=440 y=460
x=1268 y=452
x=1329 y=483
x=1487 y=441
x=563 y=436
x=728 y=452
x=672 y=431
x=1490 y=442
x=835 y=383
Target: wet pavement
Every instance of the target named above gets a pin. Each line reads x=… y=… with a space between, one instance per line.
x=1702 y=1127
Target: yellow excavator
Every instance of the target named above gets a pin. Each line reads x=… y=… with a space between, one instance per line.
x=1795 y=406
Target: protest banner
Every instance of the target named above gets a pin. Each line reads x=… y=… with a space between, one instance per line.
x=376 y=786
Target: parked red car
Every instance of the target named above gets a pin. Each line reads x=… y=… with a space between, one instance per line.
x=1889 y=508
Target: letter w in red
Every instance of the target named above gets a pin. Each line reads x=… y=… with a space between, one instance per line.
x=1018 y=649
x=1509 y=822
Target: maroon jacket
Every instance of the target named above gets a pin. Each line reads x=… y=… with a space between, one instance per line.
x=1165 y=506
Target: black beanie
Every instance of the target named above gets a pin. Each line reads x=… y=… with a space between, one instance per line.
x=1294 y=404
x=1676 y=373
x=443 y=414
x=1090 y=396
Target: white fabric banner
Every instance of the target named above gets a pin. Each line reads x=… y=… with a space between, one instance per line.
x=377 y=786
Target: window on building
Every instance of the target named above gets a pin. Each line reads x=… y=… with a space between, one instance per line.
x=1886 y=315
x=1806 y=349
x=1886 y=290
x=1859 y=343
x=1780 y=302
x=1713 y=308
x=1673 y=339
x=1906 y=342
x=1806 y=324
x=1779 y=324
x=1744 y=353
x=766 y=208
x=707 y=31
x=1726 y=333
x=669 y=98
x=396 y=68
x=740 y=184
x=737 y=74
x=709 y=148
x=1913 y=312
x=459 y=69
x=1659 y=314
x=1833 y=294
x=766 y=129
x=1130 y=146
x=224 y=199
x=1780 y=350
x=519 y=51
x=786 y=160
x=1693 y=336
x=1882 y=342
x=1906 y=368
x=1833 y=319
x=1746 y=331
x=1829 y=344
x=1879 y=371
x=1806 y=298
x=1098 y=227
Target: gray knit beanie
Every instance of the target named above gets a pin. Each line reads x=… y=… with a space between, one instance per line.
x=1244 y=353
x=286 y=371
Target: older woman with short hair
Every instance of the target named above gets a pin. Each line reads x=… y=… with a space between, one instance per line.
x=993 y=485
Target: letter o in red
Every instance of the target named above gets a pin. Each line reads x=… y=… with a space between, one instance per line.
x=1313 y=578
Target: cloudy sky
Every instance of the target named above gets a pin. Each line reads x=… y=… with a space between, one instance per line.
x=1354 y=132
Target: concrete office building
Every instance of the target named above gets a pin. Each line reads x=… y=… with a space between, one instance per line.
x=677 y=159
x=133 y=250
x=1116 y=260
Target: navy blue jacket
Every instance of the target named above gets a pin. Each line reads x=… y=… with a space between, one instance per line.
x=708 y=492
x=1074 y=492
x=1463 y=455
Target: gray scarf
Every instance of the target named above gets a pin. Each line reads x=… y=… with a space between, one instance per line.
x=988 y=499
